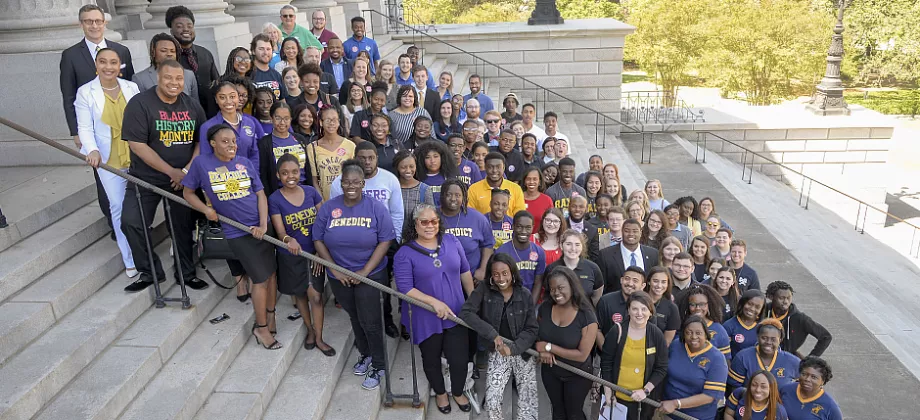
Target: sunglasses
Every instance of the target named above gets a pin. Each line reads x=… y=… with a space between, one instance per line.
x=287 y=16
x=428 y=222
x=712 y=223
x=492 y=121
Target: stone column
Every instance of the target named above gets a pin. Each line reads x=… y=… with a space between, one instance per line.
x=38 y=26
x=335 y=15
x=207 y=12
x=134 y=13
x=256 y=13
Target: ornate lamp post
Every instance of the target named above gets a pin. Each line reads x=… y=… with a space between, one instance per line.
x=545 y=13
x=828 y=96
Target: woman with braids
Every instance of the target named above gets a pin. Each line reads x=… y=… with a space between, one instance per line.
x=667 y=316
x=703 y=301
x=689 y=214
x=431 y=267
x=436 y=164
x=293 y=210
x=635 y=357
x=328 y=153
x=355 y=232
x=567 y=331
x=765 y=355
x=471 y=227
x=233 y=189
x=277 y=143
x=758 y=400
x=796 y=324
x=239 y=62
x=696 y=372
x=414 y=192
x=261 y=107
x=502 y=307
x=807 y=399
x=741 y=328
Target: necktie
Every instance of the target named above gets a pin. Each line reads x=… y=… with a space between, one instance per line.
x=421 y=98
x=632 y=259
x=97 y=49
x=189 y=55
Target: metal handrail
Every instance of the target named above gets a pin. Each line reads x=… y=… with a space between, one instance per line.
x=660 y=107
x=704 y=135
x=328 y=264
x=597 y=114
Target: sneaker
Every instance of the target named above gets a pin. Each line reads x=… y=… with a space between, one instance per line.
x=141 y=283
x=195 y=283
x=363 y=365
x=372 y=381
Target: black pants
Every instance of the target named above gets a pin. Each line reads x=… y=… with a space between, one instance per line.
x=566 y=393
x=103 y=200
x=133 y=227
x=362 y=302
x=452 y=344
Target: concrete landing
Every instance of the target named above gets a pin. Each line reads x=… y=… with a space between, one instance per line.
x=791 y=244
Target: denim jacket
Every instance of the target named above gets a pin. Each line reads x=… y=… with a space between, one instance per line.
x=483 y=312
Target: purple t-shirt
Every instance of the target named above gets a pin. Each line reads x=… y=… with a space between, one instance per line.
x=290 y=145
x=413 y=269
x=230 y=186
x=298 y=220
x=469 y=172
x=531 y=262
x=473 y=231
x=352 y=233
x=435 y=181
x=501 y=230
x=247 y=137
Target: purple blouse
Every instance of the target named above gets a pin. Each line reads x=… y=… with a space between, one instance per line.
x=413 y=269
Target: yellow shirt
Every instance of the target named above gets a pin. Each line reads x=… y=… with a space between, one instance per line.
x=632 y=366
x=480 y=194
x=113 y=113
x=326 y=164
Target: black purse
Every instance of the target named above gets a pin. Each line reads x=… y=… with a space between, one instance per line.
x=212 y=245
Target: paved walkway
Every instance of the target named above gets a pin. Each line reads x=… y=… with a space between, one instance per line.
x=866 y=309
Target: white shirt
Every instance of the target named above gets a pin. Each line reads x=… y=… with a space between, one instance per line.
x=539 y=134
x=627 y=256
x=92 y=47
x=558 y=135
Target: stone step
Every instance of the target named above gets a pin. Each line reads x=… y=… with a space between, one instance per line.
x=391 y=50
x=452 y=68
x=436 y=68
x=401 y=383
x=181 y=387
x=311 y=374
x=33 y=197
x=349 y=400
x=28 y=314
x=35 y=375
x=34 y=256
x=461 y=80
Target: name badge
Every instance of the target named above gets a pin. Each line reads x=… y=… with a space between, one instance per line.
x=650 y=350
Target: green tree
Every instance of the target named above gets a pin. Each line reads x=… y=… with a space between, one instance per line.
x=670 y=36
x=883 y=40
x=766 y=49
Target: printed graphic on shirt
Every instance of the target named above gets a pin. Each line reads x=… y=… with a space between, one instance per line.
x=329 y=168
x=364 y=222
x=271 y=84
x=381 y=195
x=459 y=231
x=501 y=232
x=175 y=128
x=302 y=220
x=295 y=150
x=230 y=185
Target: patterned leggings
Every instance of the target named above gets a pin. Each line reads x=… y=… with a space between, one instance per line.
x=525 y=372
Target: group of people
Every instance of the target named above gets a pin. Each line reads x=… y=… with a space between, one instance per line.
x=479 y=214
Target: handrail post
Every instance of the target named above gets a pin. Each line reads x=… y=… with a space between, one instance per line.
x=388 y=395
x=808 y=196
x=858 y=211
x=696 y=155
x=705 y=139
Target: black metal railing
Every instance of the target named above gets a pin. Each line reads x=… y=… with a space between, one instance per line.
x=329 y=265
x=540 y=95
x=805 y=189
x=657 y=107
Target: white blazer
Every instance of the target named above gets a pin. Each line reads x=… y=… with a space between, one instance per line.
x=94 y=134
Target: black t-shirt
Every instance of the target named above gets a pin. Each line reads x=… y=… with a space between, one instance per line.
x=610 y=310
x=568 y=337
x=361 y=125
x=667 y=317
x=171 y=130
x=270 y=79
x=588 y=272
x=514 y=165
x=504 y=329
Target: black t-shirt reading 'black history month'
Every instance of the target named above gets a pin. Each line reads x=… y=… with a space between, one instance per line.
x=171 y=130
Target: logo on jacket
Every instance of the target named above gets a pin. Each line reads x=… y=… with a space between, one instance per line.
x=816 y=409
x=248 y=130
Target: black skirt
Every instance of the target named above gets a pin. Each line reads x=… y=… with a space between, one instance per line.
x=295 y=275
x=257 y=257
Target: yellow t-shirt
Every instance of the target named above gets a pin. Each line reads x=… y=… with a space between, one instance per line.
x=632 y=366
x=480 y=194
x=326 y=164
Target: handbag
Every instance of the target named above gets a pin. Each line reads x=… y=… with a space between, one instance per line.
x=212 y=245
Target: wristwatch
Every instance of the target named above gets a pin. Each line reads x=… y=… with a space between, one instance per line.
x=548 y=347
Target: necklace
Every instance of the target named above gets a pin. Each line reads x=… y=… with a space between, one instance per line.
x=520 y=258
x=111 y=88
x=239 y=119
x=434 y=256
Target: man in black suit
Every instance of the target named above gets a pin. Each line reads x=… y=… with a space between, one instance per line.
x=615 y=259
x=427 y=98
x=181 y=23
x=78 y=67
x=337 y=65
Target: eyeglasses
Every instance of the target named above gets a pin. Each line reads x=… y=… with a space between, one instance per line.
x=282 y=119
x=91 y=22
x=428 y=222
x=242 y=59
x=492 y=121
x=699 y=305
x=352 y=183
x=552 y=222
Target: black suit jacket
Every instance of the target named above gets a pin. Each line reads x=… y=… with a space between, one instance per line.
x=78 y=69
x=432 y=103
x=611 y=263
x=326 y=66
x=207 y=73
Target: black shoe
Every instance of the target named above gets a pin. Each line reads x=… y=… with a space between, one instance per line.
x=475 y=374
x=112 y=236
x=391 y=330
x=3 y=222
x=466 y=408
x=243 y=298
x=143 y=281
x=195 y=283
x=404 y=333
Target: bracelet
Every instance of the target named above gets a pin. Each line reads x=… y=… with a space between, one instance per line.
x=285 y=238
x=678 y=403
x=185 y=171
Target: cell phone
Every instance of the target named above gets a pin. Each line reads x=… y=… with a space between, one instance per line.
x=294 y=316
x=219 y=319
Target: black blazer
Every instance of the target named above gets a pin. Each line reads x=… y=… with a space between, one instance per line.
x=432 y=103
x=656 y=356
x=268 y=173
x=326 y=66
x=611 y=263
x=78 y=69
x=206 y=75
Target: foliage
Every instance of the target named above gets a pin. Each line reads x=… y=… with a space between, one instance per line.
x=589 y=9
x=766 y=49
x=897 y=102
x=883 y=40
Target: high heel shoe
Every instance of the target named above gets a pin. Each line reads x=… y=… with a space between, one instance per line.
x=243 y=298
x=275 y=345
x=466 y=408
x=272 y=312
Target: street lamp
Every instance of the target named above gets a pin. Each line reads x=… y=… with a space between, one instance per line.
x=828 y=97
x=545 y=13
